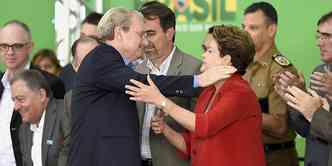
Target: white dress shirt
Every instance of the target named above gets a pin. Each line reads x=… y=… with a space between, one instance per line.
x=37 y=137
x=7 y=157
x=150 y=108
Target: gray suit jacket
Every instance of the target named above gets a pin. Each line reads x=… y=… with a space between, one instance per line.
x=316 y=151
x=321 y=127
x=56 y=128
x=163 y=153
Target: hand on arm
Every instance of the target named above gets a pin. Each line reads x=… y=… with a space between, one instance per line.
x=151 y=94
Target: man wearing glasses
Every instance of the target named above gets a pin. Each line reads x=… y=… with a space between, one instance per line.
x=317 y=141
x=15 y=46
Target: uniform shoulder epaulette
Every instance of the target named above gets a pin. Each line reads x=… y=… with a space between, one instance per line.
x=281 y=60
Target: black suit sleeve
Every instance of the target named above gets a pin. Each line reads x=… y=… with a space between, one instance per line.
x=112 y=74
x=298 y=122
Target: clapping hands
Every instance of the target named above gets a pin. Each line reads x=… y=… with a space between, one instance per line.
x=286 y=79
x=322 y=81
x=306 y=103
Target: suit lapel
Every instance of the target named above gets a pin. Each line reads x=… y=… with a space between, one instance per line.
x=49 y=122
x=176 y=62
x=29 y=139
x=174 y=69
x=141 y=68
x=26 y=143
x=1 y=86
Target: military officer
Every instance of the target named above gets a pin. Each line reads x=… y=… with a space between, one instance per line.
x=260 y=21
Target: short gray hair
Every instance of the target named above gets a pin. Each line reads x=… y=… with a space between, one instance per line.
x=20 y=24
x=116 y=17
x=33 y=79
x=83 y=39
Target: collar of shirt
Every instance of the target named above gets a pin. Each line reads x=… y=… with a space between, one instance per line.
x=40 y=125
x=37 y=141
x=132 y=64
x=125 y=60
x=265 y=60
x=5 y=80
x=163 y=66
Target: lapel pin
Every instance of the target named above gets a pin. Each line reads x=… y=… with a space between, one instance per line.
x=49 y=142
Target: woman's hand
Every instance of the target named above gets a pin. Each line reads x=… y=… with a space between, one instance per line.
x=157 y=123
x=145 y=93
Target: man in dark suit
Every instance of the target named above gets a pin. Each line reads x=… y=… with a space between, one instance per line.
x=162 y=58
x=80 y=49
x=15 y=46
x=104 y=121
x=45 y=124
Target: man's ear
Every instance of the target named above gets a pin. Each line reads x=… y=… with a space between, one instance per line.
x=31 y=46
x=117 y=34
x=42 y=93
x=170 y=32
x=272 y=30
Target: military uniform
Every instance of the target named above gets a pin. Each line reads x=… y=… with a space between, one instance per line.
x=278 y=151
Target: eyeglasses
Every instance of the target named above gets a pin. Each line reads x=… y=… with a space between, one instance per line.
x=16 y=47
x=324 y=36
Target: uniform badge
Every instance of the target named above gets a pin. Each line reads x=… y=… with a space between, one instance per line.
x=281 y=60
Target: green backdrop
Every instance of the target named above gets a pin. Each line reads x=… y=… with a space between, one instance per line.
x=37 y=14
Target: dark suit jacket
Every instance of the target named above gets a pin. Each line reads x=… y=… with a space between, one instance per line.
x=321 y=127
x=58 y=90
x=104 y=120
x=68 y=76
x=163 y=153
x=67 y=139
x=317 y=151
x=56 y=127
